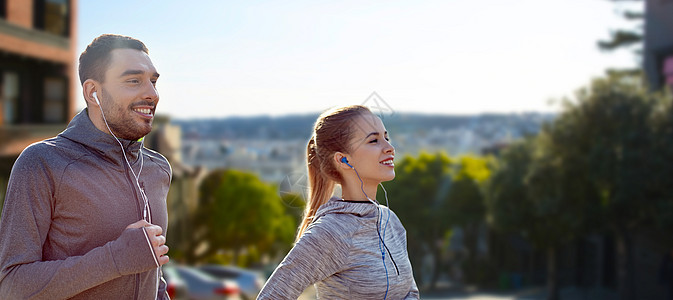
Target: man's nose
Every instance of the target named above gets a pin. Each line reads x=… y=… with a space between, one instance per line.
x=151 y=93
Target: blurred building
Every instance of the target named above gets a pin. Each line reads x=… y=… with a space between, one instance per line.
x=37 y=74
x=658 y=39
x=182 y=198
x=270 y=159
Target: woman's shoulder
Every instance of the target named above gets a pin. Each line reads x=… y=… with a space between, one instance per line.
x=335 y=224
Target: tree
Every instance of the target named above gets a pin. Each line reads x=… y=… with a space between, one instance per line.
x=507 y=191
x=561 y=201
x=624 y=38
x=239 y=213
x=465 y=207
x=661 y=175
x=416 y=195
x=607 y=134
x=602 y=165
x=293 y=206
x=534 y=192
x=433 y=193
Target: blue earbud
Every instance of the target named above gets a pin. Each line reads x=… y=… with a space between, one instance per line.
x=345 y=160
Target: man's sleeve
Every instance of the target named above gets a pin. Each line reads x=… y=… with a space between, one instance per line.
x=24 y=225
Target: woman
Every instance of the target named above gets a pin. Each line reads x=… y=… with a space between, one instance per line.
x=350 y=247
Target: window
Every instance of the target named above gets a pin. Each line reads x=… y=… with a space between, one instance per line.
x=9 y=97
x=3 y=9
x=33 y=91
x=54 y=99
x=52 y=16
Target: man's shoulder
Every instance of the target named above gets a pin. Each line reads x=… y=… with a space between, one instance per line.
x=46 y=155
x=53 y=150
x=40 y=150
x=158 y=159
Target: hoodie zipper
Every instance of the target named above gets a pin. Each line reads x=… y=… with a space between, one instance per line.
x=139 y=213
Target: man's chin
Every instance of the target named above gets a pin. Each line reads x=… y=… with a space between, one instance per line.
x=137 y=135
x=143 y=135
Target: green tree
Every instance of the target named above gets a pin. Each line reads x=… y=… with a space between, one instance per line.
x=533 y=193
x=417 y=195
x=293 y=206
x=603 y=164
x=660 y=176
x=431 y=194
x=465 y=207
x=507 y=191
x=607 y=136
x=239 y=213
x=561 y=202
x=623 y=38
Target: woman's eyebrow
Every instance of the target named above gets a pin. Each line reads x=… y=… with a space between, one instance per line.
x=373 y=133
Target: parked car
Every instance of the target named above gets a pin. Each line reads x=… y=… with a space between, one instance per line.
x=175 y=286
x=201 y=286
x=250 y=282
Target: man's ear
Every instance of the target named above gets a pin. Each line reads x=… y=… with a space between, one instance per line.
x=88 y=88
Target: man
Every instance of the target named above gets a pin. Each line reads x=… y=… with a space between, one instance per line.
x=85 y=212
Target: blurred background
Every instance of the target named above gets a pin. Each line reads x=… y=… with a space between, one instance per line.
x=534 y=139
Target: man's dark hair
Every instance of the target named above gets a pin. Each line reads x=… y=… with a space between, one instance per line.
x=95 y=59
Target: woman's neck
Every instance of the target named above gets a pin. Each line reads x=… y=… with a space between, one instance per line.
x=352 y=191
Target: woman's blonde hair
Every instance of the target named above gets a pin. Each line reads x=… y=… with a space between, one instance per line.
x=332 y=133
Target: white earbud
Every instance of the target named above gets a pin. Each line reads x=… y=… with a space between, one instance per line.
x=96 y=98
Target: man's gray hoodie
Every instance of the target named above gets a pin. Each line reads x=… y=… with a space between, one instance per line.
x=68 y=202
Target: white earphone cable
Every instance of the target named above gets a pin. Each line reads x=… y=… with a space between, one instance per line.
x=147 y=215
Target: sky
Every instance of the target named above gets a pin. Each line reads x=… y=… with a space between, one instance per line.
x=249 y=58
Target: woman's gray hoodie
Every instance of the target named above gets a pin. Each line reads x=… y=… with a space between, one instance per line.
x=341 y=253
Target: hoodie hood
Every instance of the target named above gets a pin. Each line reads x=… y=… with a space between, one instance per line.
x=82 y=131
x=338 y=206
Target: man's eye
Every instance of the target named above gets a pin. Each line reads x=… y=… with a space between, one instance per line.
x=374 y=141
x=133 y=81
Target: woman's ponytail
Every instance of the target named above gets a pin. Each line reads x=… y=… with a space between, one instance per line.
x=320 y=187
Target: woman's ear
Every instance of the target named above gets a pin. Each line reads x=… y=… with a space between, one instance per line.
x=342 y=161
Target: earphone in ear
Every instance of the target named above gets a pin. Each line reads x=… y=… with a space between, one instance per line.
x=96 y=98
x=345 y=160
